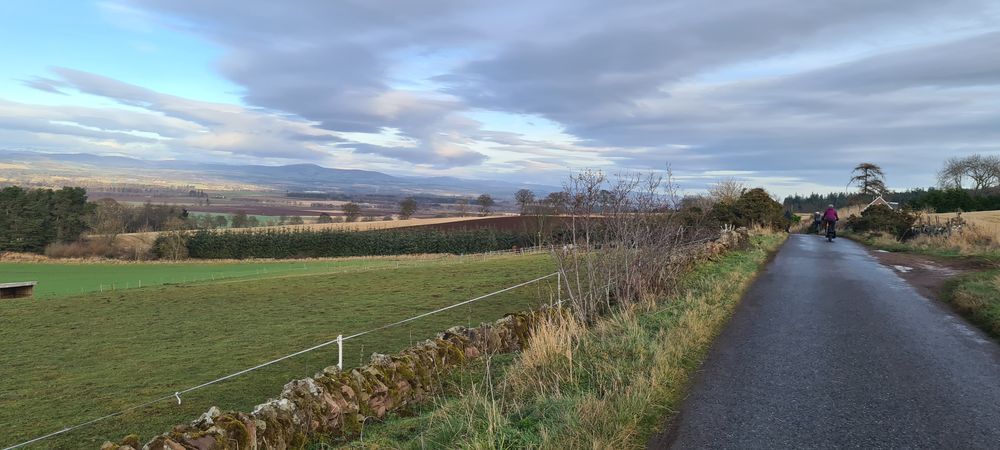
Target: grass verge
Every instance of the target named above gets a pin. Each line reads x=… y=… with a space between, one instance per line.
x=977 y=296
x=608 y=385
x=970 y=244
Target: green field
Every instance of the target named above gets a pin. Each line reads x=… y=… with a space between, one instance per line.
x=262 y=219
x=62 y=279
x=67 y=359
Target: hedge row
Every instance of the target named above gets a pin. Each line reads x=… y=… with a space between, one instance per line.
x=332 y=243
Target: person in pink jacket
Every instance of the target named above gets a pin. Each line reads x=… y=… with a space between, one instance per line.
x=831 y=214
x=830 y=217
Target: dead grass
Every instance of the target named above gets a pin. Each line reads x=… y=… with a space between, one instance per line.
x=989 y=220
x=972 y=240
x=979 y=237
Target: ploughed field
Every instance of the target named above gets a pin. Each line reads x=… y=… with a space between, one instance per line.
x=66 y=359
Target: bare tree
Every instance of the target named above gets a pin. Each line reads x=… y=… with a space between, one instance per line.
x=463 y=207
x=983 y=171
x=624 y=244
x=952 y=175
x=524 y=198
x=557 y=201
x=726 y=190
x=407 y=208
x=352 y=211
x=108 y=219
x=485 y=203
x=869 y=179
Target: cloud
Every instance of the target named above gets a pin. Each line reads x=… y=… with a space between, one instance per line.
x=787 y=90
x=44 y=84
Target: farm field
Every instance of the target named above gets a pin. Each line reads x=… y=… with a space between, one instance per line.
x=989 y=220
x=72 y=358
x=61 y=279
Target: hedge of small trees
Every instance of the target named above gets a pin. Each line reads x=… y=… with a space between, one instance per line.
x=334 y=243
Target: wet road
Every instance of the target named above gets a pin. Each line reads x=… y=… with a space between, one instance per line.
x=841 y=355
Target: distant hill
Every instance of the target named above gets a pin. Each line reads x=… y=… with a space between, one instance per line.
x=294 y=177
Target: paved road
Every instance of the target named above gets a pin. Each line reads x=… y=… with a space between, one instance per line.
x=847 y=356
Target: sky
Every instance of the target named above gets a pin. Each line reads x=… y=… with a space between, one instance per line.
x=785 y=94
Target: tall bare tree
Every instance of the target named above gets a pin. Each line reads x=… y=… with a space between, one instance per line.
x=524 y=199
x=983 y=171
x=108 y=219
x=485 y=203
x=869 y=179
x=463 y=207
x=407 y=207
x=352 y=211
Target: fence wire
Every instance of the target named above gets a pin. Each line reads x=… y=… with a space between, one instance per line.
x=178 y=395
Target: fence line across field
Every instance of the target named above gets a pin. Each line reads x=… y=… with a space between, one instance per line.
x=340 y=359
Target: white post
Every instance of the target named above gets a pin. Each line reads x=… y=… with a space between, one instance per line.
x=340 y=351
x=558 y=288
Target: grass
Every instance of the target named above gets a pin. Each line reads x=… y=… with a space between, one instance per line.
x=989 y=220
x=977 y=296
x=971 y=242
x=57 y=279
x=229 y=216
x=68 y=359
x=62 y=279
x=609 y=385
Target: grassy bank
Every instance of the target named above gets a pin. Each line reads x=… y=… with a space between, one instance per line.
x=977 y=296
x=972 y=242
x=608 y=385
x=68 y=359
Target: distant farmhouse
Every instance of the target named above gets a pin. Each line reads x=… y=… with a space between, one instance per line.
x=882 y=201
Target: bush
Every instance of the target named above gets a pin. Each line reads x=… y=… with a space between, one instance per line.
x=754 y=207
x=881 y=218
x=94 y=248
x=336 y=243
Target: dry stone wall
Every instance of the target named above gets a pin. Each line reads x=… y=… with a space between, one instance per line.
x=336 y=403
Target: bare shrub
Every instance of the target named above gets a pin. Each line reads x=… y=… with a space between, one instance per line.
x=79 y=249
x=726 y=190
x=624 y=240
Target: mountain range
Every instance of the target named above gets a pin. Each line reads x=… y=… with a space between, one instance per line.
x=294 y=177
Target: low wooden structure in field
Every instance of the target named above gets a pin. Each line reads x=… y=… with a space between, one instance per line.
x=20 y=289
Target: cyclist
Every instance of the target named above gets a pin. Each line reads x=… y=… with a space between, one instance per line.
x=830 y=218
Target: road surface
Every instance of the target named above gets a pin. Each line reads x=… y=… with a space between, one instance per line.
x=841 y=355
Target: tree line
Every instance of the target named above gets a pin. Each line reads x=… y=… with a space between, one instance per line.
x=970 y=183
x=334 y=243
x=31 y=219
